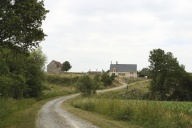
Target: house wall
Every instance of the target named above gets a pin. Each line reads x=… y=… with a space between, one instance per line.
x=125 y=74
x=52 y=68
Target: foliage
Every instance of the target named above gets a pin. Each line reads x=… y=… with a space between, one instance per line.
x=21 y=74
x=66 y=66
x=35 y=73
x=169 y=79
x=144 y=72
x=20 y=24
x=86 y=85
x=12 y=75
x=106 y=79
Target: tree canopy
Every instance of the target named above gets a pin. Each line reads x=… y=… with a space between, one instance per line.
x=21 y=75
x=20 y=23
x=170 y=81
x=66 y=66
x=144 y=72
x=21 y=72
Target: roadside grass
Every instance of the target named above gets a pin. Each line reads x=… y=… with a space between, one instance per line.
x=100 y=120
x=55 y=90
x=11 y=110
x=147 y=114
x=114 y=107
x=137 y=89
x=23 y=113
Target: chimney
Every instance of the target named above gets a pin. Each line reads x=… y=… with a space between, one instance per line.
x=116 y=62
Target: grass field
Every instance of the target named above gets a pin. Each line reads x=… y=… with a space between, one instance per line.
x=22 y=113
x=117 y=106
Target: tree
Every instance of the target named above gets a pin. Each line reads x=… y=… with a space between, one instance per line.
x=66 y=66
x=106 y=79
x=144 y=72
x=86 y=85
x=12 y=73
x=35 y=75
x=21 y=75
x=20 y=24
x=170 y=81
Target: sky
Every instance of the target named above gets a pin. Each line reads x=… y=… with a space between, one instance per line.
x=92 y=34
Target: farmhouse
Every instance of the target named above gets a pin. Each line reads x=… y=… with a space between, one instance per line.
x=54 y=67
x=124 y=70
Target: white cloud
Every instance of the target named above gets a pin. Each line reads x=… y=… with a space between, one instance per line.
x=91 y=34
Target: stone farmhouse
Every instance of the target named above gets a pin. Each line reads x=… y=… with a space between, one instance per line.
x=124 y=70
x=54 y=67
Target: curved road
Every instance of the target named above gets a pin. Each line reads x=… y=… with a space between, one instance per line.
x=52 y=115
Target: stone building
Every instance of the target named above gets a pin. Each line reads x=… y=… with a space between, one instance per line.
x=124 y=70
x=54 y=67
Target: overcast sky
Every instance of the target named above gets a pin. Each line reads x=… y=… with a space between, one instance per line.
x=92 y=33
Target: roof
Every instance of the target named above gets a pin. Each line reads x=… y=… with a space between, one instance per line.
x=123 y=67
x=57 y=63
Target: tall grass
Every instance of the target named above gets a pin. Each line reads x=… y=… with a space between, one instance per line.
x=148 y=114
x=64 y=80
x=8 y=107
x=137 y=89
x=22 y=113
x=59 y=85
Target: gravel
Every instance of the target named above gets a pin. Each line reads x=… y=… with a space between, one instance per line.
x=52 y=115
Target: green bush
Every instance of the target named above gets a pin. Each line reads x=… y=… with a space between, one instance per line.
x=106 y=79
x=86 y=85
x=21 y=74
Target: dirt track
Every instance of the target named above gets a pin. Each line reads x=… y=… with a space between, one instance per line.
x=52 y=115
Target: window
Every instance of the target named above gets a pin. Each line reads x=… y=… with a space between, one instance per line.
x=114 y=70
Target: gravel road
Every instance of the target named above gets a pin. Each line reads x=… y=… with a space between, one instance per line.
x=52 y=115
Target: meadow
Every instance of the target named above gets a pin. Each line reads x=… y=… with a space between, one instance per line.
x=22 y=113
x=124 y=106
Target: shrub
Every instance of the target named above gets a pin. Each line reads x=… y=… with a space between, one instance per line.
x=86 y=85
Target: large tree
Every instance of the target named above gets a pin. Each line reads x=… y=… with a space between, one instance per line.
x=20 y=23
x=21 y=75
x=170 y=81
x=66 y=66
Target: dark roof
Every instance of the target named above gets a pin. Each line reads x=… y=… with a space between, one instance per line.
x=123 y=67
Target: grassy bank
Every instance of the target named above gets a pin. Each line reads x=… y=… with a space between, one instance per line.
x=148 y=114
x=12 y=113
x=22 y=113
x=120 y=106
